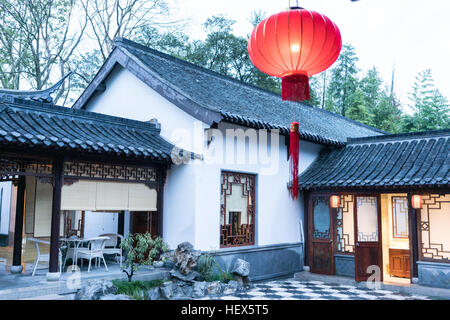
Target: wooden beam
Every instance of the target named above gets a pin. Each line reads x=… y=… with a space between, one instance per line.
x=18 y=229
x=56 y=214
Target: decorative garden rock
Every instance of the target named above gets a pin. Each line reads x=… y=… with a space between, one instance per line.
x=154 y=294
x=116 y=297
x=188 y=291
x=190 y=277
x=158 y=264
x=199 y=289
x=241 y=268
x=186 y=257
x=167 y=290
x=94 y=290
x=214 y=288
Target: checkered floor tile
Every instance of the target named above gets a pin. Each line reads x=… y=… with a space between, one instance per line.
x=292 y=289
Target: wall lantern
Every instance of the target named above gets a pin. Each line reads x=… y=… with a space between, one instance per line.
x=416 y=201
x=335 y=201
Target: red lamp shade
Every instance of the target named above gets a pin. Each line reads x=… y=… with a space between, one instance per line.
x=416 y=201
x=294 y=45
x=335 y=201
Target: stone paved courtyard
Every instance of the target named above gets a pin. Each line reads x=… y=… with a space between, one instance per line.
x=293 y=289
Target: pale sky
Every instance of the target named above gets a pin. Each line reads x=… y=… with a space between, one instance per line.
x=410 y=35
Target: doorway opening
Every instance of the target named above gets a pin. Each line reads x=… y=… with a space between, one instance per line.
x=395 y=239
x=145 y=222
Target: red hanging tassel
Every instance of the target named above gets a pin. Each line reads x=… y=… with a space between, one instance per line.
x=293 y=160
x=295 y=87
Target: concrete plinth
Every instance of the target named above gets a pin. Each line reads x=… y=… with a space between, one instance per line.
x=16 y=269
x=53 y=276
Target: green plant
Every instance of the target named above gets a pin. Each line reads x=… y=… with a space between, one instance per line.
x=208 y=267
x=136 y=289
x=140 y=249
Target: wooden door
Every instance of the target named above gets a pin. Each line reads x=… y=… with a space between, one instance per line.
x=145 y=222
x=321 y=235
x=368 y=236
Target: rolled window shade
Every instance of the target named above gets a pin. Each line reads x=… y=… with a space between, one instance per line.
x=43 y=209
x=79 y=196
x=112 y=196
x=141 y=198
x=108 y=196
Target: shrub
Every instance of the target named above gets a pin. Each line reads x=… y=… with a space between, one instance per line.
x=140 y=249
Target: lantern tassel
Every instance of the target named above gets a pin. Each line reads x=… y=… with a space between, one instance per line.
x=293 y=160
x=295 y=87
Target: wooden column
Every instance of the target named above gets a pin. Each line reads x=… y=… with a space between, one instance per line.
x=160 y=199
x=413 y=236
x=56 y=213
x=305 y=226
x=18 y=229
x=121 y=225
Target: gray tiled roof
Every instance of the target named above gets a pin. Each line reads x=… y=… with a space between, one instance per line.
x=44 y=126
x=232 y=97
x=414 y=159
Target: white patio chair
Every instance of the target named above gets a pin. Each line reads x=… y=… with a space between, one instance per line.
x=111 y=245
x=93 y=251
x=43 y=257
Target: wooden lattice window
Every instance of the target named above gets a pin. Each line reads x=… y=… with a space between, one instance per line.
x=400 y=217
x=434 y=226
x=345 y=232
x=237 y=209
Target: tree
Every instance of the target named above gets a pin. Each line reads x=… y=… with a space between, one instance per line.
x=430 y=107
x=343 y=82
x=140 y=20
x=380 y=102
x=121 y=18
x=224 y=53
x=141 y=249
x=221 y=51
x=39 y=38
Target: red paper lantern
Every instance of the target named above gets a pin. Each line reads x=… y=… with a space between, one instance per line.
x=294 y=45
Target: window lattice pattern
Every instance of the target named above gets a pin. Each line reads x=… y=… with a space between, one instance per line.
x=400 y=217
x=108 y=172
x=367 y=219
x=10 y=168
x=434 y=228
x=237 y=214
x=345 y=238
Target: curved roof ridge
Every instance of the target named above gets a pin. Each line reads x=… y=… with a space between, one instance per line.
x=43 y=95
x=401 y=136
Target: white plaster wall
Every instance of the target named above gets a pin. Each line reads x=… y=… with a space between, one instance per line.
x=277 y=215
x=5 y=206
x=192 y=192
x=128 y=97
